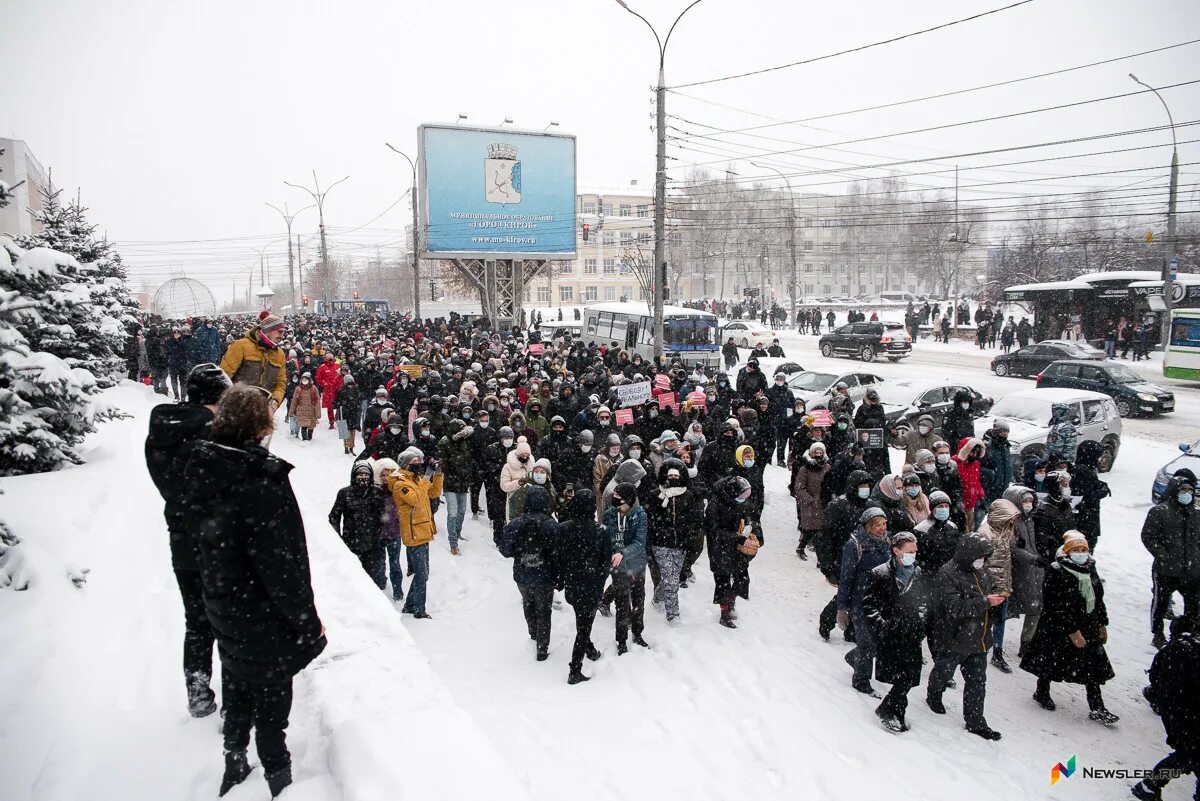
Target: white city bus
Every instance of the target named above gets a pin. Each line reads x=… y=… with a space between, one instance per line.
x=1182 y=356
x=689 y=335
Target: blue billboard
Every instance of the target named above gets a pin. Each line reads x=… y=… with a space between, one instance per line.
x=496 y=193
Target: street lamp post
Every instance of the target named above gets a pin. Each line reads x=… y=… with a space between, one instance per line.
x=287 y=219
x=319 y=199
x=792 y=232
x=416 y=235
x=660 y=176
x=1169 y=245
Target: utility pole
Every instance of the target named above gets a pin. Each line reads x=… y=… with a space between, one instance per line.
x=319 y=200
x=416 y=236
x=660 y=176
x=792 y=234
x=287 y=219
x=1170 y=264
x=299 y=263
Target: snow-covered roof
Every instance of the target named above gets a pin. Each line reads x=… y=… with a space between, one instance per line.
x=1187 y=279
x=646 y=308
x=1048 y=286
x=1118 y=275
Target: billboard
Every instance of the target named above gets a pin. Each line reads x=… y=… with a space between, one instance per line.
x=497 y=193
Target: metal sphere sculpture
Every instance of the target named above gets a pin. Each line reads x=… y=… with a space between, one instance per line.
x=180 y=298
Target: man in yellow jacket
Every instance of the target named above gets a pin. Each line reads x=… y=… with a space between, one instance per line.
x=257 y=359
x=414 y=496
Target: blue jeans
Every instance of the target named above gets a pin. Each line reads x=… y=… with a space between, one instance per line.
x=418 y=559
x=1001 y=613
x=456 y=511
x=393 y=548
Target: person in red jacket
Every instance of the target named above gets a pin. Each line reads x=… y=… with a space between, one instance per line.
x=970 y=451
x=329 y=379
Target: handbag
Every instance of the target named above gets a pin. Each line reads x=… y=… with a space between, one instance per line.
x=748 y=547
x=343 y=428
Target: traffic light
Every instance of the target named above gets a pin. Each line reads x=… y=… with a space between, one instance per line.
x=305 y=299
x=356 y=296
x=586 y=230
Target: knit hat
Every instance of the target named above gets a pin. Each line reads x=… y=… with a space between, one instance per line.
x=506 y=431
x=624 y=493
x=938 y=497
x=584 y=437
x=1074 y=541
x=408 y=456
x=901 y=537
x=870 y=513
x=544 y=464
x=270 y=322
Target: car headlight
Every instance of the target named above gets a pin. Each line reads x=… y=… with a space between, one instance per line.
x=1147 y=398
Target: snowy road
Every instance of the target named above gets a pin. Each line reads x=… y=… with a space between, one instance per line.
x=457 y=706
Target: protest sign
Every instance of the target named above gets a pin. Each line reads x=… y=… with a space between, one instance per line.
x=662 y=381
x=537 y=349
x=624 y=417
x=667 y=399
x=633 y=394
x=871 y=437
x=821 y=418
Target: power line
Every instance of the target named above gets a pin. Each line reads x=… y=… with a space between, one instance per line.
x=858 y=49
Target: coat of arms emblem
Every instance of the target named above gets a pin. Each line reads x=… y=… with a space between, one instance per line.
x=502 y=175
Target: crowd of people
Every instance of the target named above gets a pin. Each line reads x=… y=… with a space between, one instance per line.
x=939 y=554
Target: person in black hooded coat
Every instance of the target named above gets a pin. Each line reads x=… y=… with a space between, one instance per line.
x=871 y=414
x=257 y=586
x=958 y=422
x=838 y=522
x=584 y=558
x=727 y=525
x=1173 y=698
x=529 y=540
x=1086 y=482
x=675 y=516
x=357 y=517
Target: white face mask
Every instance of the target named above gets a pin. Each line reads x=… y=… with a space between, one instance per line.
x=635 y=453
x=585 y=448
x=928 y=467
x=1039 y=476
x=1079 y=557
x=908 y=559
x=924 y=430
x=943 y=458
x=539 y=478
x=964 y=406
x=506 y=441
x=977 y=564
x=394 y=429
x=1027 y=506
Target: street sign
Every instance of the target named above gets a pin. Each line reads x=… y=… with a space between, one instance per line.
x=1173 y=269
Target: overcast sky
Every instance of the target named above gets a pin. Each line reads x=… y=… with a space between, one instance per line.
x=179 y=119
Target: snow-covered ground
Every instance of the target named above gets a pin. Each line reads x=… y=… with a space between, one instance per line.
x=457 y=707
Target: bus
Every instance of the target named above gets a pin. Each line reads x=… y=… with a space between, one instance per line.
x=1182 y=356
x=345 y=307
x=689 y=335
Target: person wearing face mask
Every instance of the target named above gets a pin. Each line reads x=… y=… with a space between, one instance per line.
x=529 y=540
x=921 y=437
x=727 y=526
x=1035 y=469
x=482 y=437
x=675 y=515
x=893 y=607
x=888 y=495
x=866 y=549
x=999 y=529
x=960 y=616
x=625 y=519
x=839 y=521
x=1171 y=533
x=729 y=351
x=556 y=442
x=780 y=403
x=750 y=380
x=517 y=466
x=959 y=422
x=925 y=466
x=357 y=516
x=374 y=414
x=747 y=466
x=539 y=476
x=1054 y=516
x=1027 y=565
x=870 y=414
x=495 y=460
x=1073 y=629
x=1172 y=697
x=970 y=451
x=995 y=468
x=454 y=456
x=389 y=532
x=806 y=489
x=414 y=495
x=424 y=438
x=937 y=536
x=1086 y=483
x=388 y=440
x=914 y=499
x=573 y=464
x=306 y=407
x=603 y=465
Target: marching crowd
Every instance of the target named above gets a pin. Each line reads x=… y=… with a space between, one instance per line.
x=587 y=497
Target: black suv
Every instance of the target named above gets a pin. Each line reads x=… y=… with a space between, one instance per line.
x=1131 y=392
x=868 y=340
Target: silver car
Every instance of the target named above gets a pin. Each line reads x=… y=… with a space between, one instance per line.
x=815 y=389
x=1028 y=416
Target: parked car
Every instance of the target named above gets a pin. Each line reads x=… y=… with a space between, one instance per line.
x=748 y=334
x=1132 y=393
x=868 y=340
x=815 y=389
x=773 y=366
x=1189 y=459
x=904 y=401
x=1028 y=416
x=1032 y=359
x=1081 y=345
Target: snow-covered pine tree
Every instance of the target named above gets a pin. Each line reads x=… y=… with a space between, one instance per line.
x=84 y=303
x=45 y=410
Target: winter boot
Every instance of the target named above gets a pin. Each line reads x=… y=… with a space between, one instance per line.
x=576 y=675
x=542 y=654
x=727 y=617
x=236 y=771
x=1045 y=701
x=622 y=648
x=1103 y=716
x=1145 y=791
x=639 y=640
x=985 y=731
x=889 y=721
x=592 y=652
x=279 y=780
x=998 y=662
x=201 y=699
x=934 y=702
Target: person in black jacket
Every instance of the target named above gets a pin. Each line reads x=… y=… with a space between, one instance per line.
x=674 y=515
x=1054 y=517
x=175 y=430
x=894 y=606
x=1072 y=629
x=348 y=404
x=257 y=590
x=529 y=540
x=727 y=526
x=1173 y=698
x=584 y=558
x=573 y=465
x=373 y=417
x=1171 y=534
x=482 y=437
x=357 y=517
x=388 y=443
x=872 y=415
x=837 y=524
x=960 y=635
x=958 y=422
x=750 y=380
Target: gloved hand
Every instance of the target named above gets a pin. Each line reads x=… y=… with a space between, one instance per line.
x=843 y=618
x=1077 y=639
x=1103 y=635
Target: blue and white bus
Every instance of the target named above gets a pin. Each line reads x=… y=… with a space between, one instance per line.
x=689 y=335
x=1182 y=356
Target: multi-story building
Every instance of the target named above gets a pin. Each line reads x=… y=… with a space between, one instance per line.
x=17 y=165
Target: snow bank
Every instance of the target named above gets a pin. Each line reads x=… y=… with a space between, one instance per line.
x=91 y=692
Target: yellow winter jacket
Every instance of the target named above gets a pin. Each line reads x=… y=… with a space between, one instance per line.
x=413 y=496
x=248 y=362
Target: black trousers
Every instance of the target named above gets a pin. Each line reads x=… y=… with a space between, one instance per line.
x=536 y=603
x=265 y=707
x=690 y=556
x=585 y=616
x=1181 y=761
x=476 y=486
x=1164 y=588
x=974 y=671
x=629 y=592
x=198 y=634
x=1095 y=697
x=895 y=702
x=374 y=562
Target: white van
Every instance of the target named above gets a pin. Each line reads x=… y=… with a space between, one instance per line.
x=897 y=297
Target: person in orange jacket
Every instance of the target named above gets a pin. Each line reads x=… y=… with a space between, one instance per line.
x=414 y=496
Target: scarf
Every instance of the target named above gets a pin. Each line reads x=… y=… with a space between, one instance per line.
x=904 y=575
x=1084 y=577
